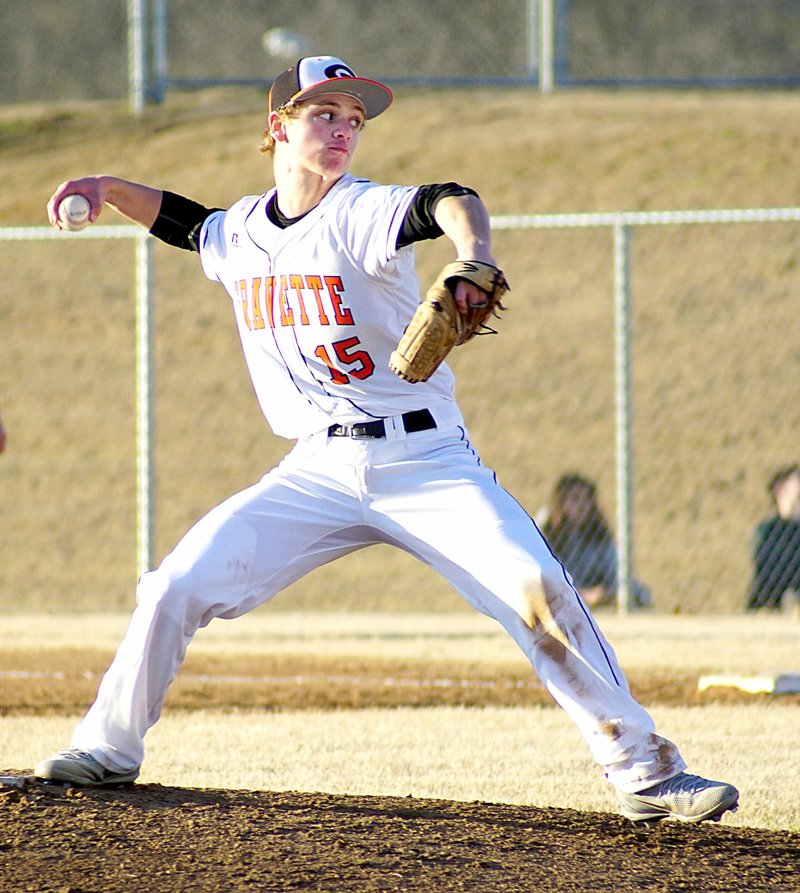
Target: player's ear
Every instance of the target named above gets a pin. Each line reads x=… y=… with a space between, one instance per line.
x=277 y=127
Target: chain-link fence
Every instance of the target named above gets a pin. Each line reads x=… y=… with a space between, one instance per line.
x=678 y=42
x=715 y=413
x=82 y=49
x=691 y=367
x=713 y=369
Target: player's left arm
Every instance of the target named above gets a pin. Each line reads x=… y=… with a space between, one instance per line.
x=464 y=220
x=457 y=212
x=464 y=296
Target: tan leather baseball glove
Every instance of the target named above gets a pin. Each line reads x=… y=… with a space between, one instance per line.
x=438 y=325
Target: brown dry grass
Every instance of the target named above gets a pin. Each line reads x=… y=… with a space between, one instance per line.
x=713 y=416
x=575 y=151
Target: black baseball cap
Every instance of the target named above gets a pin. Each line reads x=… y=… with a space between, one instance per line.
x=316 y=75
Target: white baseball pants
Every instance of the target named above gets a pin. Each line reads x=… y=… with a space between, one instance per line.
x=426 y=493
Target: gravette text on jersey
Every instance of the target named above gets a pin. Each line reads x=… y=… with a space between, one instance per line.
x=311 y=300
x=270 y=301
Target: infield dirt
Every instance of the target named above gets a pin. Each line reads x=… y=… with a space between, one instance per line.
x=148 y=839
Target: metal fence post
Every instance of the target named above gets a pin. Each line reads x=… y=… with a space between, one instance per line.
x=159 y=35
x=546 y=45
x=137 y=55
x=623 y=420
x=532 y=22
x=145 y=477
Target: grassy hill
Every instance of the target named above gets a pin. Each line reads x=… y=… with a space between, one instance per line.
x=715 y=363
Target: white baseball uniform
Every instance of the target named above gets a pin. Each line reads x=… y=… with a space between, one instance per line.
x=320 y=305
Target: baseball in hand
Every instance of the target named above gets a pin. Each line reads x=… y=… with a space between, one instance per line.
x=73 y=212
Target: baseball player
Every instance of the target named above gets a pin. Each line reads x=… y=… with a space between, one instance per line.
x=320 y=272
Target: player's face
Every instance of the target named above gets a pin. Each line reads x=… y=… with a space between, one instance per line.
x=324 y=136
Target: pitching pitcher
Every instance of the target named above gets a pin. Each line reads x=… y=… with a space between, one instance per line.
x=347 y=363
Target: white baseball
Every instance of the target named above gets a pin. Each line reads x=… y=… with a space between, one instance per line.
x=73 y=212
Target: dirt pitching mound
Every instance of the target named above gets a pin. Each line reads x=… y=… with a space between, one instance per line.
x=149 y=838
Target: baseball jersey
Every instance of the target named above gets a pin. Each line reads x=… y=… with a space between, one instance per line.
x=321 y=304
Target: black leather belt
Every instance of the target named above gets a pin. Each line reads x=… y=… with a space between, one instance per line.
x=418 y=420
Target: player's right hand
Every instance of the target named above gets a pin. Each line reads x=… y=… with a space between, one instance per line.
x=88 y=187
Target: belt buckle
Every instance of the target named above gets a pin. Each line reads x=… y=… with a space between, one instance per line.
x=361 y=431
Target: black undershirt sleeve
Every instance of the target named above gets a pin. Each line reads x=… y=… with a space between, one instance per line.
x=419 y=223
x=179 y=221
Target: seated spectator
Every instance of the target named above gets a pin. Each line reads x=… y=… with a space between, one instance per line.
x=776 y=547
x=579 y=535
